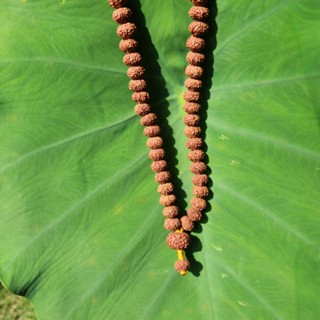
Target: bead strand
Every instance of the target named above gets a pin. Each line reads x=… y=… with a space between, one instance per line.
x=178 y=239
x=198 y=28
x=195 y=57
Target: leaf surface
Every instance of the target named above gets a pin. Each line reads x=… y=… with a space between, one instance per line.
x=81 y=227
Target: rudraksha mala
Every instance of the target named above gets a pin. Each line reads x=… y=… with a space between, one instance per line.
x=178 y=223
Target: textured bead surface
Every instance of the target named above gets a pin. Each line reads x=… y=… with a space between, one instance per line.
x=186 y=223
x=163 y=177
x=154 y=143
x=193 y=84
x=191 y=96
x=196 y=155
x=191 y=120
x=140 y=97
x=170 y=211
x=127 y=30
x=200 y=191
x=198 y=28
x=195 y=44
x=199 y=13
x=199 y=2
x=200 y=179
x=195 y=59
x=194 y=72
x=165 y=188
x=182 y=265
x=194 y=143
x=178 y=241
x=194 y=214
x=142 y=109
x=198 y=203
x=167 y=200
x=122 y=15
x=198 y=167
x=137 y=85
x=132 y=59
x=158 y=166
x=128 y=45
x=157 y=154
x=117 y=3
x=172 y=224
x=136 y=72
x=192 y=132
x=191 y=107
x=151 y=131
x=149 y=119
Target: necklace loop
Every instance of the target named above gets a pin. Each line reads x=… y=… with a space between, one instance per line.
x=179 y=224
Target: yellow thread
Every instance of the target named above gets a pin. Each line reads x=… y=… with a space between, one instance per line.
x=180 y=254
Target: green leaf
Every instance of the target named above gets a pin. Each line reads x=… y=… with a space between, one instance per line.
x=81 y=227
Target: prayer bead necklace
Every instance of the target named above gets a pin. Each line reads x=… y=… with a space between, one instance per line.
x=180 y=224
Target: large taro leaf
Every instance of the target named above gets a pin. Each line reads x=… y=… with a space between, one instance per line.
x=81 y=228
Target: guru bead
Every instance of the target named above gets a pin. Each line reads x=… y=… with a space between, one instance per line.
x=178 y=240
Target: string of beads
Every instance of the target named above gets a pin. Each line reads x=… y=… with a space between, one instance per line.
x=179 y=224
